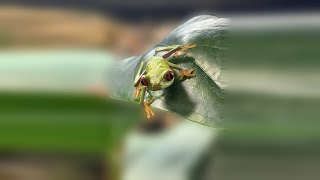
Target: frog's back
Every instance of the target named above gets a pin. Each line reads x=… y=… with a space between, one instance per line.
x=156 y=63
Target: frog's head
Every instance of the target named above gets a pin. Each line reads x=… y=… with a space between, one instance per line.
x=157 y=82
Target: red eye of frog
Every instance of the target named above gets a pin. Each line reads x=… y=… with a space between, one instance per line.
x=143 y=81
x=169 y=75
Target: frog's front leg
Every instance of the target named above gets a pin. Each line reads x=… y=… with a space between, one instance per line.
x=183 y=49
x=136 y=81
x=138 y=75
x=166 y=48
x=175 y=50
x=146 y=103
x=182 y=72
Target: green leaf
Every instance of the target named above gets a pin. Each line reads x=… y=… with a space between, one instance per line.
x=197 y=99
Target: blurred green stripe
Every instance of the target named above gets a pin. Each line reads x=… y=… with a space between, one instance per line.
x=62 y=122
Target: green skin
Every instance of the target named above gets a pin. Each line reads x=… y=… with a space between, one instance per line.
x=155 y=73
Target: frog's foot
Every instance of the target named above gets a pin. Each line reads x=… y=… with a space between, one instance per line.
x=187 y=73
x=184 y=50
x=137 y=92
x=148 y=110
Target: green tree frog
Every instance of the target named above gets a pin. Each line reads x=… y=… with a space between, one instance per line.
x=157 y=74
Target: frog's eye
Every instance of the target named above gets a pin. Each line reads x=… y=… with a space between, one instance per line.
x=143 y=81
x=169 y=75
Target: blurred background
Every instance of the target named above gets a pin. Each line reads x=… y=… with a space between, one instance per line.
x=56 y=121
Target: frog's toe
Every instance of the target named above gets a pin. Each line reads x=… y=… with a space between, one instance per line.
x=183 y=50
x=190 y=46
x=137 y=92
x=191 y=71
x=186 y=47
x=148 y=110
x=187 y=73
x=176 y=54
